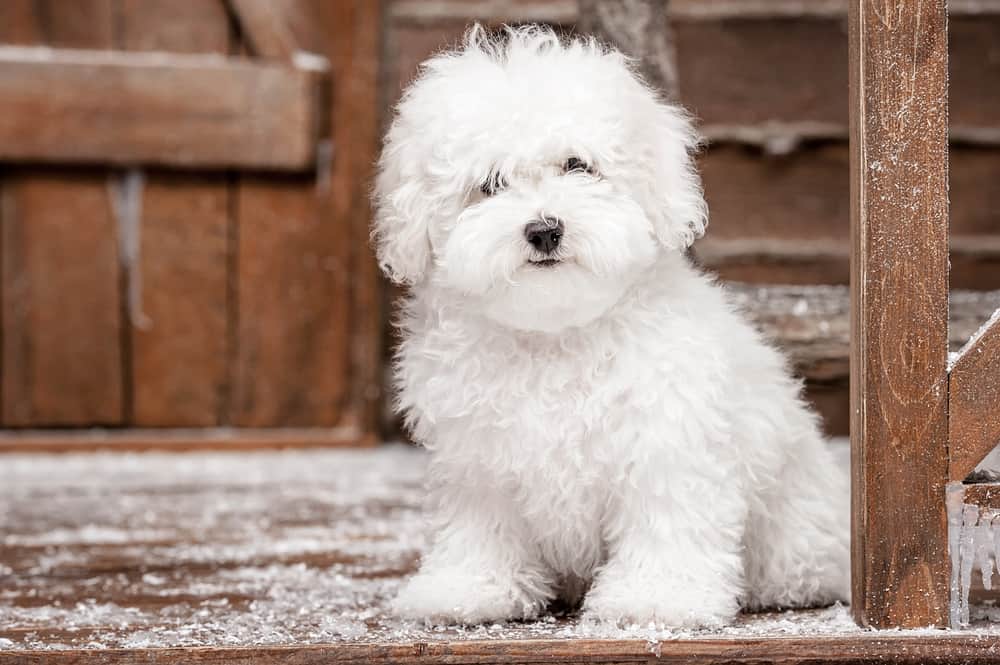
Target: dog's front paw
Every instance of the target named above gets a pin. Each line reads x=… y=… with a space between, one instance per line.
x=450 y=598
x=658 y=603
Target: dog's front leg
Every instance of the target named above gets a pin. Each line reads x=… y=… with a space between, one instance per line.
x=481 y=567
x=675 y=539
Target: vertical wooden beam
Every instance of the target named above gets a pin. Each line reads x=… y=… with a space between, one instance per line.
x=309 y=303
x=179 y=331
x=61 y=355
x=899 y=313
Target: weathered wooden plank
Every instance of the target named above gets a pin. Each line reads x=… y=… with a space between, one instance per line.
x=899 y=225
x=77 y=24
x=267 y=26
x=178 y=276
x=974 y=401
x=291 y=364
x=111 y=107
x=62 y=361
x=854 y=649
x=354 y=50
x=199 y=26
x=180 y=439
x=178 y=320
x=321 y=348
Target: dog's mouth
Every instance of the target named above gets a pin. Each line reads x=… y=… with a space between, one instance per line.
x=546 y=263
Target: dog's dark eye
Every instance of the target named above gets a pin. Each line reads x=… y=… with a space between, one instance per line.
x=493 y=184
x=577 y=165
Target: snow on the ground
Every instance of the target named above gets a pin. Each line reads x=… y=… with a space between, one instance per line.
x=217 y=549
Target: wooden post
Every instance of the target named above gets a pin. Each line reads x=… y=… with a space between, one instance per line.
x=899 y=312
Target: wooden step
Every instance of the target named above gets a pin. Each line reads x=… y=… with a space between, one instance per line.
x=291 y=558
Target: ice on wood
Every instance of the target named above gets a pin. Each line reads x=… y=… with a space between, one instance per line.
x=974 y=547
x=126 y=196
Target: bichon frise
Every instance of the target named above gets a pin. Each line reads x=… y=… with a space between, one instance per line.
x=603 y=425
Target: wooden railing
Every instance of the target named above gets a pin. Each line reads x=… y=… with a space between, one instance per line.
x=916 y=426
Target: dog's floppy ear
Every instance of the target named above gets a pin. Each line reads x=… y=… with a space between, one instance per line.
x=401 y=212
x=677 y=205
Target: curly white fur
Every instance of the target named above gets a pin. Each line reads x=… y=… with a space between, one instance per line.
x=607 y=428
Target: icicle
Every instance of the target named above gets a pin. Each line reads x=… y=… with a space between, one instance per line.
x=983 y=542
x=126 y=199
x=324 y=165
x=967 y=552
x=973 y=543
x=955 y=494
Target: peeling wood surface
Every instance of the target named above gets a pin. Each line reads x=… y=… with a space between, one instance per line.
x=974 y=401
x=899 y=225
x=209 y=557
x=108 y=107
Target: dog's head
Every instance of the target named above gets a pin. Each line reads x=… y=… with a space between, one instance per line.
x=535 y=178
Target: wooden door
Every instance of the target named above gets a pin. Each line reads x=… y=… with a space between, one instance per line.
x=183 y=223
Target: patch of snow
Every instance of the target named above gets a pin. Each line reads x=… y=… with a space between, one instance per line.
x=953 y=358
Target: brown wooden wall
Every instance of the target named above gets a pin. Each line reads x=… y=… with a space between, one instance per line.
x=237 y=297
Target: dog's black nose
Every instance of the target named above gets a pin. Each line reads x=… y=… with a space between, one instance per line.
x=545 y=234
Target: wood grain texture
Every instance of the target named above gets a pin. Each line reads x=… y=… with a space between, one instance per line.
x=310 y=304
x=110 y=107
x=78 y=24
x=354 y=48
x=266 y=26
x=292 y=351
x=899 y=225
x=199 y=26
x=974 y=403
x=179 y=333
x=62 y=363
x=856 y=650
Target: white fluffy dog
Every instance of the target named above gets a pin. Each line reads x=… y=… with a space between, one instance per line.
x=602 y=424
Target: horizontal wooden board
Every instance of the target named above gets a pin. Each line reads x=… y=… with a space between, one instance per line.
x=180 y=440
x=865 y=648
x=191 y=111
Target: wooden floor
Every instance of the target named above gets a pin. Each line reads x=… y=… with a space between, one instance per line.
x=290 y=557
